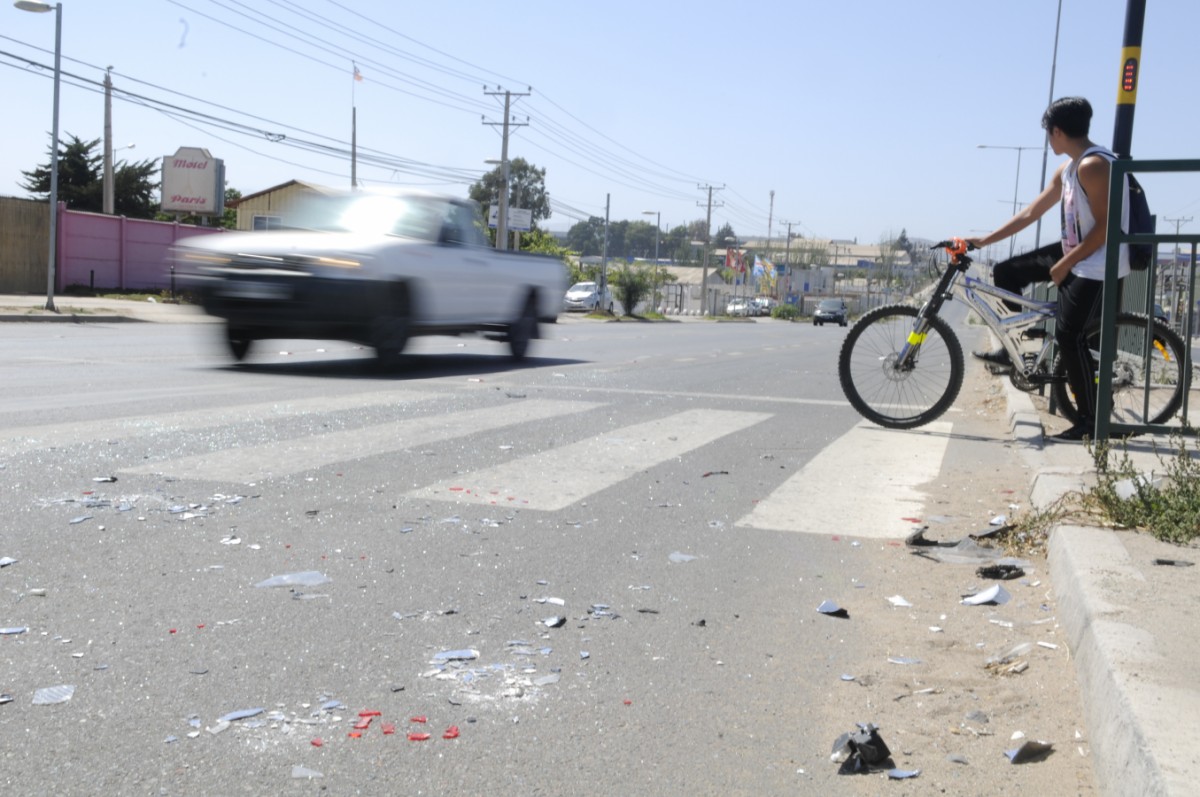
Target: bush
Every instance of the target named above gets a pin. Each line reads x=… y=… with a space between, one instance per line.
x=788 y=312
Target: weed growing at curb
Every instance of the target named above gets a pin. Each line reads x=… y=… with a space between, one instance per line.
x=1168 y=506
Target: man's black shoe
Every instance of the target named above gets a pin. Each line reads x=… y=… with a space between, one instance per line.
x=997 y=357
x=1076 y=433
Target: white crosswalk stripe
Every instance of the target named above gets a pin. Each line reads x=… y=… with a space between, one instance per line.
x=560 y=477
x=33 y=438
x=287 y=457
x=864 y=484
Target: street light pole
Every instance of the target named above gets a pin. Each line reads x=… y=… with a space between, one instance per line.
x=1012 y=242
x=41 y=8
x=657 y=227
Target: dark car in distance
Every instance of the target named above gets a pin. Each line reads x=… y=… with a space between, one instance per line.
x=832 y=311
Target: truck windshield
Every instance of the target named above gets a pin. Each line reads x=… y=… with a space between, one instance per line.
x=411 y=217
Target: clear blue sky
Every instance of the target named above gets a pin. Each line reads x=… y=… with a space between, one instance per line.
x=863 y=116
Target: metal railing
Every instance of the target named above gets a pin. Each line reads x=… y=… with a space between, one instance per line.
x=1105 y=426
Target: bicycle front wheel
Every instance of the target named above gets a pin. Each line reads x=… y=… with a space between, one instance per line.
x=1141 y=392
x=900 y=397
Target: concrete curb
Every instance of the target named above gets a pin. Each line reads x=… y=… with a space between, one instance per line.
x=1086 y=566
x=68 y=318
x=1084 y=562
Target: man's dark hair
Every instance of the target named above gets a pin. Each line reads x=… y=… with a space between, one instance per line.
x=1071 y=115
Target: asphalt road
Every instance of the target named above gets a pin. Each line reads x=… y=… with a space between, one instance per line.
x=657 y=486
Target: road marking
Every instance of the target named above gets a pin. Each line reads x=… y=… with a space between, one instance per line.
x=862 y=485
x=557 y=478
x=287 y=457
x=33 y=438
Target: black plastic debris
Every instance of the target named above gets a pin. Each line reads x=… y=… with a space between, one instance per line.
x=861 y=750
x=104 y=479
x=1030 y=751
x=1173 y=562
x=715 y=473
x=833 y=610
x=1001 y=572
x=557 y=621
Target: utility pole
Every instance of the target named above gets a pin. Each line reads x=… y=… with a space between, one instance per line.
x=707 y=241
x=604 y=254
x=108 y=200
x=1176 y=288
x=770 y=217
x=787 y=259
x=502 y=215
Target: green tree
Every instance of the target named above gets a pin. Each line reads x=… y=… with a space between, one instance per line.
x=633 y=283
x=586 y=238
x=81 y=182
x=526 y=188
x=543 y=243
x=725 y=231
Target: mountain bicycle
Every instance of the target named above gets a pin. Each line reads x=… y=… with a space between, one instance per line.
x=902 y=367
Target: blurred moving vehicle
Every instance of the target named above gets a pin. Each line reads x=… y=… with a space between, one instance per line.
x=375 y=269
x=587 y=297
x=831 y=311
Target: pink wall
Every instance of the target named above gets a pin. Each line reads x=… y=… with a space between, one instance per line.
x=116 y=252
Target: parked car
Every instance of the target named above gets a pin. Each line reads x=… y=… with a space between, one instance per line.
x=587 y=297
x=375 y=269
x=763 y=305
x=739 y=306
x=831 y=311
x=1161 y=314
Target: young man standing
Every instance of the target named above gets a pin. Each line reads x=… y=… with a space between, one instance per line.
x=1082 y=185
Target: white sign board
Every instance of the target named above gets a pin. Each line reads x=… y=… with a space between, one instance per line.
x=193 y=181
x=520 y=219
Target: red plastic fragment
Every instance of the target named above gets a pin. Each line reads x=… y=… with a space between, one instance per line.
x=355 y=734
x=421 y=718
x=389 y=728
x=451 y=732
x=363 y=724
x=418 y=737
x=370 y=713
x=174 y=630
x=628 y=702
x=318 y=742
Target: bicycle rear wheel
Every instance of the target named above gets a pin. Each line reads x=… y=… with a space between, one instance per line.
x=1140 y=394
x=900 y=398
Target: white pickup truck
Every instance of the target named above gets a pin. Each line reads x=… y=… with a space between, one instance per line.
x=375 y=269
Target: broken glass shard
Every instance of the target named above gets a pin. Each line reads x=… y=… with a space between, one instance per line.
x=80 y=519
x=994 y=594
x=13 y=630
x=308 y=578
x=1030 y=751
x=902 y=774
x=556 y=621
x=832 y=609
x=679 y=558
x=897 y=600
x=50 y=695
x=546 y=680
x=241 y=714
x=5 y=561
x=465 y=654
x=903 y=660
x=304 y=773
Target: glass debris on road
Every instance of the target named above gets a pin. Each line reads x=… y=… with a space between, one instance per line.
x=307 y=578
x=1030 y=751
x=833 y=610
x=51 y=695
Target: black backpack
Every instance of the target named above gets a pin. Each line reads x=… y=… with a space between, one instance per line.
x=1141 y=220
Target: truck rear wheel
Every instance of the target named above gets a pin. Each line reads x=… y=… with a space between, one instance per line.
x=524 y=329
x=390 y=327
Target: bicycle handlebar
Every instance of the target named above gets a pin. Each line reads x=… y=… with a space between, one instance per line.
x=957 y=248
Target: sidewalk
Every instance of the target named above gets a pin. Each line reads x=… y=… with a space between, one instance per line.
x=1131 y=623
x=79 y=309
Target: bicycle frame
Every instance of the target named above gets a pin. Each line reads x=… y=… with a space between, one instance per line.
x=988 y=302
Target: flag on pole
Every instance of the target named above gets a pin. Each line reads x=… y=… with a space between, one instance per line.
x=759 y=270
x=357 y=74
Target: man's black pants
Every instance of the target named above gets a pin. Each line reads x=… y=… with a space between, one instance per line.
x=1018 y=273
